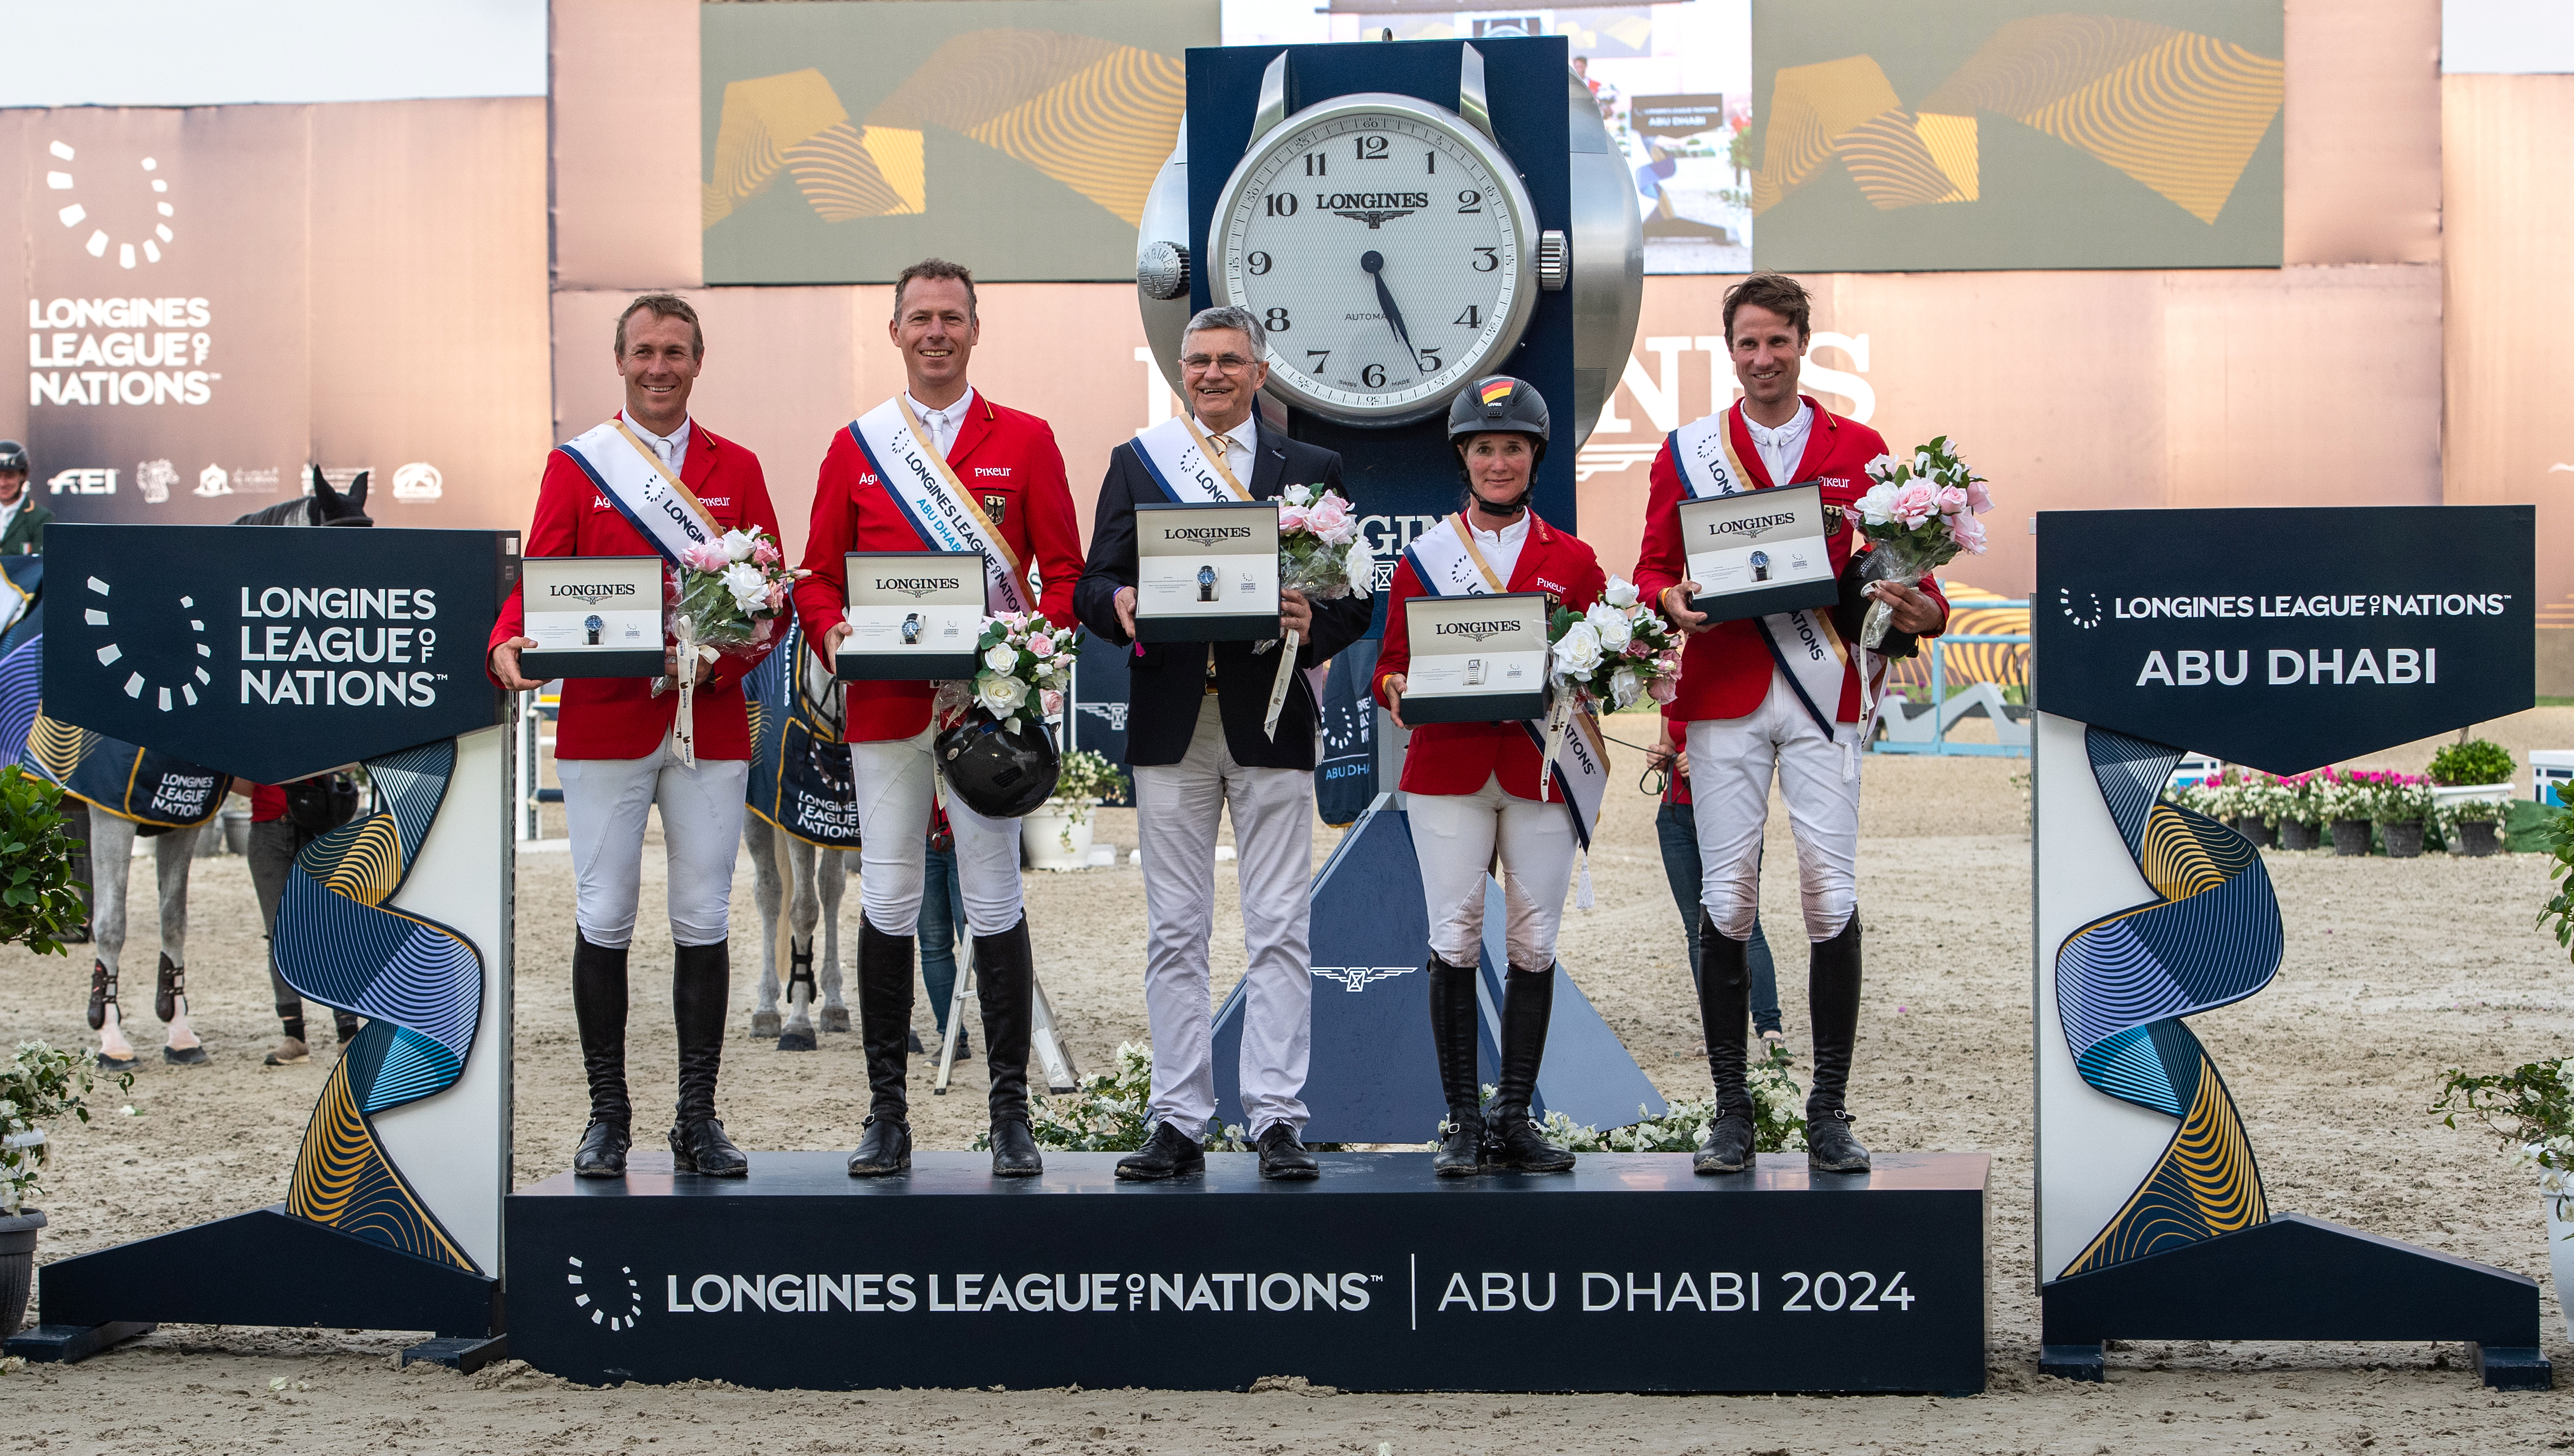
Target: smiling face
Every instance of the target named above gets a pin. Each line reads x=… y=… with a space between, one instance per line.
x=1498 y=467
x=1767 y=352
x=935 y=329
x=659 y=366
x=12 y=483
x=1222 y=373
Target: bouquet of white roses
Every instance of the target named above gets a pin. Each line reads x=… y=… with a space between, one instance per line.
x=1615 y=652
x=1024 y=667
x=1920 y=513
x=725 y=596
x=1321 y=554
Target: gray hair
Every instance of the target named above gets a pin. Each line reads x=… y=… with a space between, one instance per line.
x=1232 y=317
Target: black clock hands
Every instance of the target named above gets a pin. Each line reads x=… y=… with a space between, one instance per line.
x=1374 y=263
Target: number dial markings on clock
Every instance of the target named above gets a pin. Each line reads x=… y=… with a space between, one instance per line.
x=1396 y=190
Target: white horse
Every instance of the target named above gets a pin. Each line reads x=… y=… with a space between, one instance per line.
x=821 y=879
x=111 y=858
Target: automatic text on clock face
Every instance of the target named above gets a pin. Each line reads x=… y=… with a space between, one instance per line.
x=1379 y=251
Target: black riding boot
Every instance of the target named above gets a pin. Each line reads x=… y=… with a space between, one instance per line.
x=1725 y=1017
x=1831 y=1003
x=1512 y=1139
x=884 y=1027
x=599 y=1005
x=1005 y=982
x=701 y=988
x=1452 y=1036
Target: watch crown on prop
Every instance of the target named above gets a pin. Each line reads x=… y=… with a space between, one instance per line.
x=1554 y=260
x=1162 y=270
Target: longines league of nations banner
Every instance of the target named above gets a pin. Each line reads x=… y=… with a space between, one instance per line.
x=218 y=297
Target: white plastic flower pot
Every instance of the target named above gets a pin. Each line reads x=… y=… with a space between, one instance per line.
x=1052 y=840
x=2560 y=1252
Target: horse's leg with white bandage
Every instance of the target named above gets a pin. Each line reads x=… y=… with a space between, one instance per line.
x=768 y=890
x=804 y=908
x=111 y=857
x=832 y=877
x=173 y=854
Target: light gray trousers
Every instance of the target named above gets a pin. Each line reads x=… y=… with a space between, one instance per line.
x=1177 y=806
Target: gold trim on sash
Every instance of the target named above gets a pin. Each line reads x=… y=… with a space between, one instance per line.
x=964 y=497
x=1466 y=537
x=1216 y=457
x=714 y=532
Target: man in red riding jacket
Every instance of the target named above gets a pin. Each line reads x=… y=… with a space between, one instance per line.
x=615 y=752
x=997 y=473
x=1781 y=690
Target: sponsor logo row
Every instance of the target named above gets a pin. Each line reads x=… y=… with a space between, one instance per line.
x=156 y=480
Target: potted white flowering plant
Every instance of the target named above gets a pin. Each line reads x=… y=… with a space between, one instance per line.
x=1056 y=834
x=2529 y=1110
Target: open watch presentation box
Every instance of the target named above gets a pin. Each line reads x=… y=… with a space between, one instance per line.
x=592 y=616
x=1476 y=658
x=913 y=615
x=1759 y=551
x=1206 y=573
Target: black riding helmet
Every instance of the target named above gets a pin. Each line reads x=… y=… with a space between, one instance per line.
x=998 y=773
x=13 y=457
x=1498 y=405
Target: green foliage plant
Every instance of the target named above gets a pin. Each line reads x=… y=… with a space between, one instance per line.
x=2529 y=1110
x=2478 y=760
x=37 y=1087
x=40 y=903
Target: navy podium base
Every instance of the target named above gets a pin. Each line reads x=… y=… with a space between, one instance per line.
x=232 y=1271
x=2298 y=1278
x=1628 y=1274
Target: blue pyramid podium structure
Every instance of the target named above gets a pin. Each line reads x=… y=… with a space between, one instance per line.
x=1373 y=1077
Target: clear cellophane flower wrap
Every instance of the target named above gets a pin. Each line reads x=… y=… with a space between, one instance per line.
x=1023 y=669
x=1321 y=555
x=725 y=597
x=1917 y=516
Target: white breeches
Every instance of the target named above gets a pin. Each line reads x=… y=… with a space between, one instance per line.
x=1177 y=806
x=1731 y=760
x=605 y=802
x=894 y=787
x=1456 y=837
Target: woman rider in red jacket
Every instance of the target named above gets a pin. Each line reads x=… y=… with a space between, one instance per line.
x=1473 y=787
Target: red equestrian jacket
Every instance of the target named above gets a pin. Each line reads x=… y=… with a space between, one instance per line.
x=1010 y=463
x=1726 y=670
x=1461 y=758
x=623 y=717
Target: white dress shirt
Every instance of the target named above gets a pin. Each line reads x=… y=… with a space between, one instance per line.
x=1784 y=448
x=671 y=448
x=1241 y=447
x=1500 y=549
x=942 y=424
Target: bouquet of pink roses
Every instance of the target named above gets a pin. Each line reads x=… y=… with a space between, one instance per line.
x=724 y=597
x=1920 y=513
x=1320 y=553
x=1023 y=667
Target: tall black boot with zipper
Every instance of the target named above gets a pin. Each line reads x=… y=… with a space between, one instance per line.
x=1511 y=1142
x=700 y=987
x=884 y=1030
x=598 y=1007
x=1452 y=1035
x=1005 y=983
x=1725 y=1015
x=1831 y=1002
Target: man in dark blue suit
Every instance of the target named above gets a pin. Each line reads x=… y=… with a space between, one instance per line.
x=1196 y=737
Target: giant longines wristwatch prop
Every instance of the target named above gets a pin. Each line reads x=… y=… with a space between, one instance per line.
x=1403 y=219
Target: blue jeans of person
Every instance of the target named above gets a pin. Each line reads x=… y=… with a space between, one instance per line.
x=942 y=916
x=1678 y=829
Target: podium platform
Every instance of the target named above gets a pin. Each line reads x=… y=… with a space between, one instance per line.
x=1629 y=1274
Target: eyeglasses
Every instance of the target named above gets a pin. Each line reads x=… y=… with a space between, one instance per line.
x=1219 y=362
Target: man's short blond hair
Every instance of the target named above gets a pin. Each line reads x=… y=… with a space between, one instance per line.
x=664 y=306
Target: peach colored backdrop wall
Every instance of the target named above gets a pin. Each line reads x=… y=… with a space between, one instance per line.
x=2325 y=382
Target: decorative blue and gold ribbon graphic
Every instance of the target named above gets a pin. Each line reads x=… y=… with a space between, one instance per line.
x=2210 y=937
x=418 y=984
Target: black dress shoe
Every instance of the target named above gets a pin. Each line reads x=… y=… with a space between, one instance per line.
x=1726 y=1148
x=884 y=1149
x=602 y=1151
x=701 y=1147
x=1169 y=1155
x=1014 y=1149
x=1282 y=1156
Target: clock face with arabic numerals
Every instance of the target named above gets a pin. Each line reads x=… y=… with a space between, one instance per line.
x=1386 y=246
